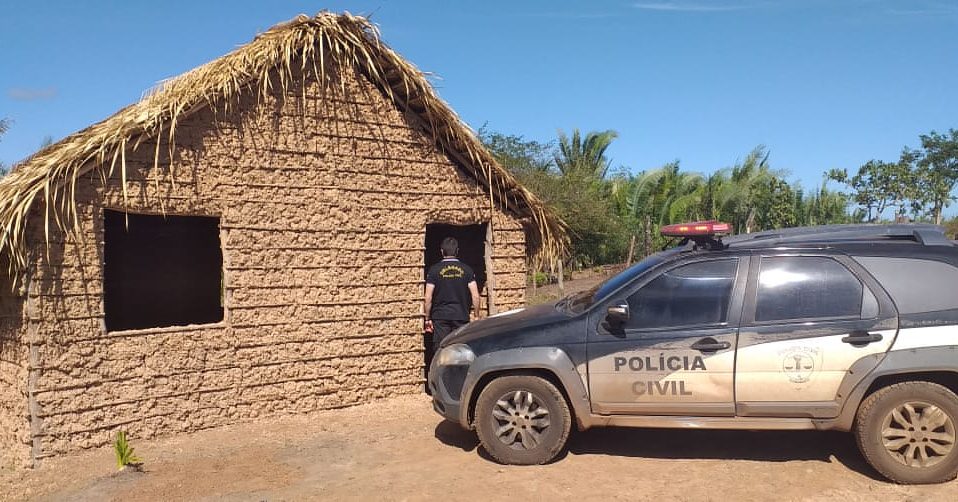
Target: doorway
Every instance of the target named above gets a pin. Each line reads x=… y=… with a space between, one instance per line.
x=472 y=252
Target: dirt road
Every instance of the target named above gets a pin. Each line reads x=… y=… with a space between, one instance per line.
x=400 y=450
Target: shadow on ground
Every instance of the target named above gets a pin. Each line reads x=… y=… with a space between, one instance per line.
x=451 y=434
x=761 y=446
x=764 y=446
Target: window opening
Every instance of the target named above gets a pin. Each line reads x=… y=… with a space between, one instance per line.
x=161 y=271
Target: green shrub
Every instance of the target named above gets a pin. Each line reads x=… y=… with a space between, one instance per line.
x=540 y=279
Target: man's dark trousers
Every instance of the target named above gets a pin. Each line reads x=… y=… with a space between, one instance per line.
x=441 y=329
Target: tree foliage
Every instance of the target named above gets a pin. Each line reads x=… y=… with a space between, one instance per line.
x=879 y=185
x=569 y=175
x=4 y=125
x=951 y=228
x=521 y=156
x=922 y=181
x=937 y=172
x=607 y=208
x=584 y=157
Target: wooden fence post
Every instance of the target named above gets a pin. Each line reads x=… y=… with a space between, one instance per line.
x=490 y=275
x=561 y=285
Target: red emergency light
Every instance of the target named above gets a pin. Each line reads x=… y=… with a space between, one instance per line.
x=696 y=228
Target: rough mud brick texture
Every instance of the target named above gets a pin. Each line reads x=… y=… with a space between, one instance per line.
x=14 y=416
x=323 y=199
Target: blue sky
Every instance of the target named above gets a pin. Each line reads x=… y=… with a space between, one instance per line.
x=822 y=83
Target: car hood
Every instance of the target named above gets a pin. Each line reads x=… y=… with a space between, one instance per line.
x=507 y=322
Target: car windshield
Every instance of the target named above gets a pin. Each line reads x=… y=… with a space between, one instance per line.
x=576 y=303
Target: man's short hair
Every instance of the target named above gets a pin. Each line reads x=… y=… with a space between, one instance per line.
x=449 y=246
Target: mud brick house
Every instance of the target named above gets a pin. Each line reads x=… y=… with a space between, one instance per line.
x=247 y=240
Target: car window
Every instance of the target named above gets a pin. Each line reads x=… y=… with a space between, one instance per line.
x=916 y=285
x=578 y=302
x=693 y=294
x=806 y=287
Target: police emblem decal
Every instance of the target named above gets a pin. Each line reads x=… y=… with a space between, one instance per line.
x=798 y=363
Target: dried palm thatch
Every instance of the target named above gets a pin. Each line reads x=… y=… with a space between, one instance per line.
x=318 y=46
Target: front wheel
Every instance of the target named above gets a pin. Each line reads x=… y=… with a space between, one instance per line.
x=522 y=420
x=906 y=431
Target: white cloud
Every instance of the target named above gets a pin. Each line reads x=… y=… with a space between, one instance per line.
x=929 y=9
x=681 y=6
x=579 y=15
x=30 y=94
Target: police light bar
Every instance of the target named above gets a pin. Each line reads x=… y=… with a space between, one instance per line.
x=703 y=228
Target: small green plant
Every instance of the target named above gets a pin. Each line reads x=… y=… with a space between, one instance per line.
x=124 y=452
x=540 y=278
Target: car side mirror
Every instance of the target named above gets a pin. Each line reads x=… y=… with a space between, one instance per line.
x=618 y=314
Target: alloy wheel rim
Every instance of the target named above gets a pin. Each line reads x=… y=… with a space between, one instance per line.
x=918 y=434
x=520 y=420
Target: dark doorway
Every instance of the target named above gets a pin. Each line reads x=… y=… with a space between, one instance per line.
x=472 y=252
x=161 y=271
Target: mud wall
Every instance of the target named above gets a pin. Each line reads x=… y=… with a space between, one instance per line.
x=14 y=416
x=323 y=199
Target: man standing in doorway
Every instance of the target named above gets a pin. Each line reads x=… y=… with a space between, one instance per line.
x=451 y=293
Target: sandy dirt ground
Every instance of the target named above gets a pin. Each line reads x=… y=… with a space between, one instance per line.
x=398 y=449
x=579 y=281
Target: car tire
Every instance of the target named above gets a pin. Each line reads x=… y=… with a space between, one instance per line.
x=522 y=420
x=907 y=432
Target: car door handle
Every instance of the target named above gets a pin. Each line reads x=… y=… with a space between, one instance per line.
x=862 y=338
x=710 y=345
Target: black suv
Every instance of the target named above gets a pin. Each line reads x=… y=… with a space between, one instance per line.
x=845 y=327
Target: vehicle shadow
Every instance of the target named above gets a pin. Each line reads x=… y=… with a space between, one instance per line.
x=766 y=446
x=684 y=444
x=452 y=434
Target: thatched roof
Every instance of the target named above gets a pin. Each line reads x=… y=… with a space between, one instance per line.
x=305 y=45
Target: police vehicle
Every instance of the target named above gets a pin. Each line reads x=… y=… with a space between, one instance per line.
x=841 y=327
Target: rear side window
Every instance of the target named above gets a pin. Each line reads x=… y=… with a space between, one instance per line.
x=806 y=287
x=916 y=285
x=690 y=295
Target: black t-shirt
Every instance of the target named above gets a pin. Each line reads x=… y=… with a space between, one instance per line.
x=451 y=300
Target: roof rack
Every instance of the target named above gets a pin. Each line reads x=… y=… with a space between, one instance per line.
x=925 y=234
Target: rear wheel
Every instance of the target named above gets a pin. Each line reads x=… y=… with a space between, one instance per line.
x=522 y=420
x=907 y=432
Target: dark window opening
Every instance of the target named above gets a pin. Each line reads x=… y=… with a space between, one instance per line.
x=161 y=271
x=472 y=252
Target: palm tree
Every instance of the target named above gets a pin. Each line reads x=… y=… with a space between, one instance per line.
x=735 y=199
x=711 y=188
x=664 y=195
x=584 y=157
x=822 y=207
x=668 y=194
